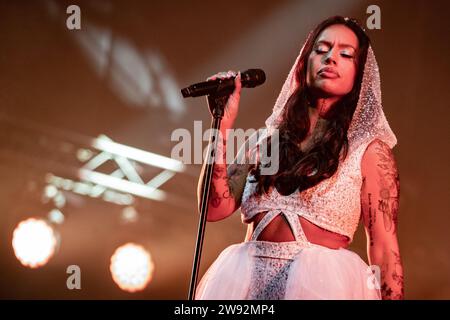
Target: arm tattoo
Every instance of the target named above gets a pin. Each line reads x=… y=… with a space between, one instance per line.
x=372 y=214
x=397 y=274
x=370 y=223
x=235 y=175
x=386 y=291
x=233 y=179
x=384 y=204
x=215 y=199
x=389 y=186
x=392 y=270
x=219 y=173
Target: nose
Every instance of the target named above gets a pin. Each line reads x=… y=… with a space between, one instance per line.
x=330 y=57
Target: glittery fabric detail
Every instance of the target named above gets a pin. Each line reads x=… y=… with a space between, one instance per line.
x=368 y=121
x=333 y=204
x=282 y=250
x=272 y=261
x=269 y=279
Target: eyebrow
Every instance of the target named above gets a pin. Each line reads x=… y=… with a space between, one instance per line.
x=344 y=45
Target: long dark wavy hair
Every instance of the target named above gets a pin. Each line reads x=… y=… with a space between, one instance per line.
x=303 y=170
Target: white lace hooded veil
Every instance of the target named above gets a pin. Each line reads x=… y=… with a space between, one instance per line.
x=368 y=121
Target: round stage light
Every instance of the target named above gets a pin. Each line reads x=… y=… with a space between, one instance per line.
x=131 y=267
x=34 y=242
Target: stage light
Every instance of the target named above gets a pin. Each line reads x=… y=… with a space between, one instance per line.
x=57 y=197
x=50 y=191
x=56 y=216
x=129 y=215
x=84 y=154
x=34 y=242
x=122 y=185
x=105 y=144
x=131 y=267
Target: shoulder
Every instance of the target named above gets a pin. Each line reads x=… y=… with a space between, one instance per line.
x=251 y=144
x=378 y=158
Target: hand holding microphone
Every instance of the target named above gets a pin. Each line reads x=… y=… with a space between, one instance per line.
x=232 y=106
x=223 y=86
x=227 y=83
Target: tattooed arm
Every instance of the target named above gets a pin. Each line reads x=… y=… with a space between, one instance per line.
x=228 y=181
x=379 y=200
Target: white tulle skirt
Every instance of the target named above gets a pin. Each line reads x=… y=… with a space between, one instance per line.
x=263 y=270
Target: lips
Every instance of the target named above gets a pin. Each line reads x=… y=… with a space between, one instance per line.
x=328 y=72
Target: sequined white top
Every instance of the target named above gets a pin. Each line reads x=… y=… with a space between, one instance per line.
x=333 y=204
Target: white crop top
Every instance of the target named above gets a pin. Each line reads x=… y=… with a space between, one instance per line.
x=333 y=204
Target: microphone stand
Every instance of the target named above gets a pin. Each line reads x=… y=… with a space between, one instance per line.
x=216 y=104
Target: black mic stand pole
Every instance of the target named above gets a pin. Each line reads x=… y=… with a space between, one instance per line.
x=216 y=104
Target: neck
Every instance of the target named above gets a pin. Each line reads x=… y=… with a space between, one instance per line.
x=323 y=105
x=318 y=111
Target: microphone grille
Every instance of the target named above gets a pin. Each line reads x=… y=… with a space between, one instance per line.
x=253 y=77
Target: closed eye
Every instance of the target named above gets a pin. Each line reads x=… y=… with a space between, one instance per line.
x=345 y=55
x=318 y=51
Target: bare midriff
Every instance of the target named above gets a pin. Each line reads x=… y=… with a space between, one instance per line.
x=279 y=230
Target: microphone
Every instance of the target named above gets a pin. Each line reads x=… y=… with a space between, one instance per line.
x=249 y=79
